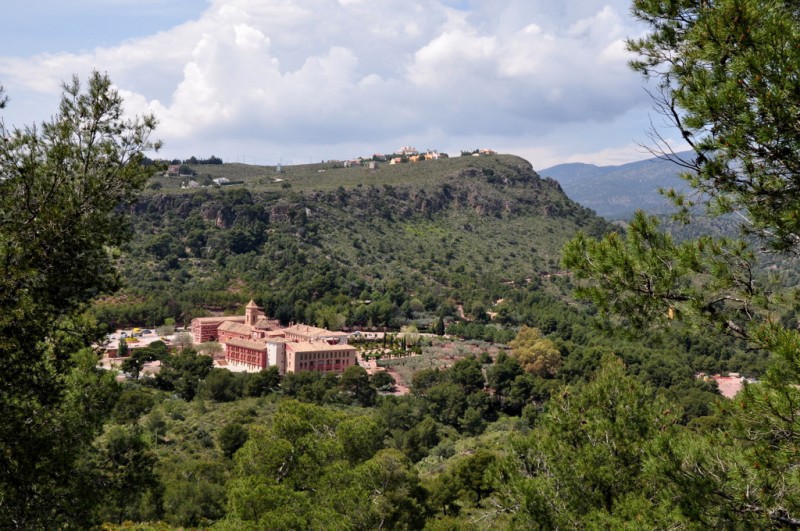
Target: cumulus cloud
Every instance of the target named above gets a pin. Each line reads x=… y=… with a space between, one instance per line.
x=295 y=76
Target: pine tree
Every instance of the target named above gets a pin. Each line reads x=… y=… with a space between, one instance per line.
x=61 y=186
x=726 y=73
x=439 y=328
x=122 y=350
x=585 y=465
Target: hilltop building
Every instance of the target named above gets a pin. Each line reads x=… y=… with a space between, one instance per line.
x=407 y=151
x=252 y=342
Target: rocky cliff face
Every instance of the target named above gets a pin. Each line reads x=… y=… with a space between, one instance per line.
x=505 y=192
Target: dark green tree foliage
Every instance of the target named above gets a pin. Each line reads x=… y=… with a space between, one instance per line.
x=383 y=381
x=506 y=376
x=315 y=468
x=466 y=483
x=427 y=378
x=263 y=383
x=468 y=373
x=742 y=471
x=62 y=183
x=308 y=386
x=222 y=385
x=194 y=495
x=355 y=384
x=583 y=464
x=502 y=373
x=132 y=404
x=422 y=438
x=210 y=160
x=656 y=280
x=122 y=350
x=409 y=427
x=361 y=437
x=446 y=402
x=231 y=438
x=134 y=363
x=183 y=372
x=124 y=470
x=353 y=387
x=456 y=397
x=727 y=74
x=439 y=327
x=513 y=388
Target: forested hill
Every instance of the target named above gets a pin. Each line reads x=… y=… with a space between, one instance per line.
x=616 y=192
x=352 y=246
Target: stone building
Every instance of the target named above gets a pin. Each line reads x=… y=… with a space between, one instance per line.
x=205 y=328
x=252 y=343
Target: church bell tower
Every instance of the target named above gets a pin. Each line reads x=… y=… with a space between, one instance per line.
x=251 y=313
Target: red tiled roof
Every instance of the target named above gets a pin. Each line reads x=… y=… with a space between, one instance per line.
x=729 y=386
x=247 y=343
x=221 y=318
x=317 y=346
x=236 y=327
x=312 y=331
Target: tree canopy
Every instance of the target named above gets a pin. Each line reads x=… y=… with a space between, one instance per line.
x=727 y=73
x=727 y=79
x=61 y=186
x=537 y=355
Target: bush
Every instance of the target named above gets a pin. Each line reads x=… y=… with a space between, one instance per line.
x=231 y=438
x=222 y=385
x=383 y=381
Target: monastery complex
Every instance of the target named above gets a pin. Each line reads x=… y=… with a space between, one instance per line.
x=252 y=342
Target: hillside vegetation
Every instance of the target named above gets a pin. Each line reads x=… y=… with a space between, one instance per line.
x=348 y=246
x=472 y=243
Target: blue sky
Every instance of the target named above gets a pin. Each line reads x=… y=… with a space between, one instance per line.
x=34 y=27
x=291 y=81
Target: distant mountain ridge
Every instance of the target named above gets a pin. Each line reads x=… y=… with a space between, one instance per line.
x=616 y=192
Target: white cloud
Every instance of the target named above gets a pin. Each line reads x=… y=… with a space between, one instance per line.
x=451 y=57
x=287 y=75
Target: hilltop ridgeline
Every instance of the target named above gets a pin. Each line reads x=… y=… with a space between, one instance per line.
x=494 y=186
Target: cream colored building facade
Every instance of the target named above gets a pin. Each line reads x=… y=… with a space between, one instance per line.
x=253 y=343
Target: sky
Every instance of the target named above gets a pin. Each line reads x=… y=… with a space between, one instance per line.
x=298 y=81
